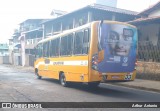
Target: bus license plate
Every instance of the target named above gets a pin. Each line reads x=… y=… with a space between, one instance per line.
x=115 y=77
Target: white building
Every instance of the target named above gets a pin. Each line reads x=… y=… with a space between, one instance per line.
x=4 y=49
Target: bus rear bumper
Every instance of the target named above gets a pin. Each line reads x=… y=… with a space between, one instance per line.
x=118 y=77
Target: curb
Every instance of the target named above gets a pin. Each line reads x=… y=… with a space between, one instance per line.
x=137 y=87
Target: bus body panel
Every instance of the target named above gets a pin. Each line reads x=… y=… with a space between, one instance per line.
x=74 y=67
x=119 y=76
x=93 y=75
x=79 y=68
x=114 y=74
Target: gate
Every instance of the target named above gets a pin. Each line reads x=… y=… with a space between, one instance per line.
x=5 y=59
x=31 y=60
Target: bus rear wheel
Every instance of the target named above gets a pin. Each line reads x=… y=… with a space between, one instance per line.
x=63 y=80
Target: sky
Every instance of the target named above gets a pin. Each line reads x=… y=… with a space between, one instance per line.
x=13 y=12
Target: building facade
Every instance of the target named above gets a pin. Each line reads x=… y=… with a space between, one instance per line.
x=4 y=53
x=85 y=15
x=4 y=48
x=21 y=45
x=149 y=34
x=33 y=30
x=30 y=34
x=14 y=49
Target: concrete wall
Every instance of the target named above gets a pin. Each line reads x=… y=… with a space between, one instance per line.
x=4 y=60
x=148 y=70
x=1 y=60
x=29 y=60
x=17 y=60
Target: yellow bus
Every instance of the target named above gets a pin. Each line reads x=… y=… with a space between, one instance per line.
x=100 y=50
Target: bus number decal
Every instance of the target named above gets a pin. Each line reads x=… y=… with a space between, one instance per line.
x=70 y=63
x=58 y=63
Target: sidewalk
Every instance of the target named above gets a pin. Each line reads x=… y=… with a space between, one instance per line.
x=149 y=85
x=21 y=68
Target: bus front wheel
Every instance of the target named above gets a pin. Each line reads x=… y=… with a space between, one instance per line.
x=63 y=80
x=38 y=76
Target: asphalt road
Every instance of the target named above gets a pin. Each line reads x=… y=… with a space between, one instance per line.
x=17 y=85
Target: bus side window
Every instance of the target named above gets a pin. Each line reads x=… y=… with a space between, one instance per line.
x=86 y=41
x=70 y=44
x=63 y=49
x=38 y=52
x=78 y=42
x=57 y=47
x=52 y=48
x=46 y=49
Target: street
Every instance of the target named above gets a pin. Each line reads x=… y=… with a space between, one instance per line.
x=22 y=86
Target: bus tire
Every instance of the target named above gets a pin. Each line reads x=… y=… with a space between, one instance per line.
x=62 y=80
x=38 y=76
x=94 y=84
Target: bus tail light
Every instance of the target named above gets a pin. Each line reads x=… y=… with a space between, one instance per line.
x=95 y=62
x=97 y=58
x=136 y=62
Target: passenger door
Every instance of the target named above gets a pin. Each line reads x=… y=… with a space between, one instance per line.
x=46 y=57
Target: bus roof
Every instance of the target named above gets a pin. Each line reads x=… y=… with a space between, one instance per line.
x=65 y=33
x=81 y=27
x=116 y=22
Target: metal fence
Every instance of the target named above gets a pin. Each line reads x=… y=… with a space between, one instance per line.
x=149 y=52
